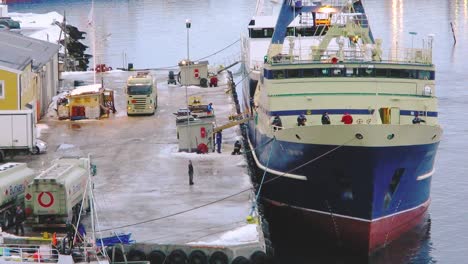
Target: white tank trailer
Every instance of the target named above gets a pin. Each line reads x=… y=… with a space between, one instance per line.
x=54 y=197
x=14 y=178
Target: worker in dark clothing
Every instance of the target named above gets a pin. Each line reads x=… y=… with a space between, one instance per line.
x=237 y=147
x=219 y=140
x=325 y=119
x=301 y=120
x=277 y=124
x=190 y=172
x=417 y=119
x=19 y=220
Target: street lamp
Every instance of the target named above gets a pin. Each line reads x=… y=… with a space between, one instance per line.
x=188 y=24
x=412 y=38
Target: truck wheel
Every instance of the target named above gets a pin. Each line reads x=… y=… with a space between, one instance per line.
x=5 y=220
x=35 y=150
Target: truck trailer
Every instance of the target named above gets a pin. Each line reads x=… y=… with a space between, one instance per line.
x=14 y=178
x=18 y=133
x=54 y=197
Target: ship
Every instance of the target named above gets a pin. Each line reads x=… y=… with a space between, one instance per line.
x=362 y=180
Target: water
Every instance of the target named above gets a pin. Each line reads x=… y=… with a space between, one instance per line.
x=152 y=34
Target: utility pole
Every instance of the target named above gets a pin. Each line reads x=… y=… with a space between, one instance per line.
x=65 y=40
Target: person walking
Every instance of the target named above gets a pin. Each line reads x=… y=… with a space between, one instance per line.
x=190 y=172
x=237 y=148
x=210 y=108
x=219 y=140
x=19 y=219
x=325 y=119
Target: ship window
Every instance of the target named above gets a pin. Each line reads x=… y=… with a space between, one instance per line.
x=408 y=74
x=424 y=75
x=261 y=32
x=366 y=72
x=393 y=186
x=351 y=72
x=337 y=72
x=293 y=73
x=308 y=72
x=380 y=72
x=323 y=72
x=278 y=74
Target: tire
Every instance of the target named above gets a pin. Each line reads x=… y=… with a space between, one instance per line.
x=203 y=82
x=5 y=220
x=198 y=257
x=35 y=150
x=218 y=258
x=157 y=257
x=118 y=255
x=259 y=257
x=241 y=260
x=136 y=255
x=177 y=257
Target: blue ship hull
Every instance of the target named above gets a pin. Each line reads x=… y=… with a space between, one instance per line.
x=351 y=186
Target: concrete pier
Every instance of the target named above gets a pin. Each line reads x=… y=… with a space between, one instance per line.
x=142 y=183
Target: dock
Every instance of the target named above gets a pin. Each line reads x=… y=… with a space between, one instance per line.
x=142 y=185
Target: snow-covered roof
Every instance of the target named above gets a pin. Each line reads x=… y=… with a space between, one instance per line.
x=16 y=49
x=93 y=88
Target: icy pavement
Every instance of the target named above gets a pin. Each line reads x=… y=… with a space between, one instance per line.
x=142 y=180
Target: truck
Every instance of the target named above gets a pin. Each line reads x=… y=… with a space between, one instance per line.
x=14 y=178
x=18 y=133
x=54 y=197
x=142 y=94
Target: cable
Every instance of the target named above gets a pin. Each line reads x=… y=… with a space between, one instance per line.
x=226 y=197
x=175 y=66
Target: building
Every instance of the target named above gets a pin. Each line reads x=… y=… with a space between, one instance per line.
x=28 y=72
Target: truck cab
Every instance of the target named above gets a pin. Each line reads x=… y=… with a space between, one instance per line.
x=142 y=94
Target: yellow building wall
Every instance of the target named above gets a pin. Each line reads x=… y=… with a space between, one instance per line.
x=28 y=88
x=9 y=101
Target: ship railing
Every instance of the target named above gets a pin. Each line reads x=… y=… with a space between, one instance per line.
x=27 y=253
x=359 y=55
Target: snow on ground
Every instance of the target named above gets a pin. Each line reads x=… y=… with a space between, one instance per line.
x=65 y=146
x=241 y=235
x=39 y=26
x=39 y=128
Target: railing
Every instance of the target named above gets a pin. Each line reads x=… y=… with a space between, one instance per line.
x=357 y=54
x=28 y=254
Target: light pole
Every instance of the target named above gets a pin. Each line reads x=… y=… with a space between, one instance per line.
x=412 y=38
x=188 y=24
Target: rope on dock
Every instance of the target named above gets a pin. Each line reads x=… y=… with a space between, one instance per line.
x=232 y=195
x=175 y=66
x=254 y=203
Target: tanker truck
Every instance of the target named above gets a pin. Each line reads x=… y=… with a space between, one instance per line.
x=54 y=197
x=14 y=178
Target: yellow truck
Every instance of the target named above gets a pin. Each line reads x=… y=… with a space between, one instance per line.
x=142 y=94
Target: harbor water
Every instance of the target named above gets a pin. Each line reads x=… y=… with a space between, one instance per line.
x=153 y=34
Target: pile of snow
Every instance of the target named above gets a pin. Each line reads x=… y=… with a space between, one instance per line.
x=39 y=26
x=242 y=235
x=65 y=146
